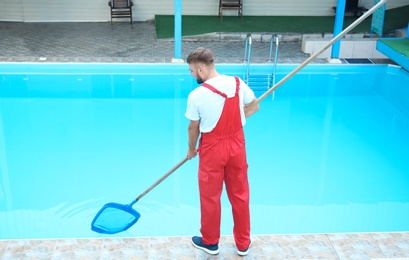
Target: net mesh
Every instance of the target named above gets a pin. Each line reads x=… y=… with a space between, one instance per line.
x=114 y=218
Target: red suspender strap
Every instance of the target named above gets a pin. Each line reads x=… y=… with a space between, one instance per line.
x=221 y=93
x=237 y=84
x=214 y=90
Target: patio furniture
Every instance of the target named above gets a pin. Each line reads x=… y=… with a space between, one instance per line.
x=230 y=5
x=353 y=6
x=121 y=9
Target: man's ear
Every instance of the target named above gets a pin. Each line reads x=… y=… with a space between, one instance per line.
x=199 y=67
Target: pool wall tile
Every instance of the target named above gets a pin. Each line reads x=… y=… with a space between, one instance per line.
x=298 y=246
x=126 y=248
x=30 y=249
x=3 y=248
x=393 y=244
x=78 y=249
x=355 y=246
x=228 y=250
x=178 y=248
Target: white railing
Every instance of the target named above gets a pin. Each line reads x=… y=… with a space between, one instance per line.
x=247 y=55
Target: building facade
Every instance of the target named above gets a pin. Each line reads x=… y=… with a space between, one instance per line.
x=143 y=10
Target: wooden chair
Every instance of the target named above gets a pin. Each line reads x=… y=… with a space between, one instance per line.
x=230 y=5
x=353 y=6
x=121 y=9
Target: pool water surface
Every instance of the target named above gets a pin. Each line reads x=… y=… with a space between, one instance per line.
x=327 y=152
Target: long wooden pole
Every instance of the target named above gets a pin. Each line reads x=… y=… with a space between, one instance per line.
x=311 y=58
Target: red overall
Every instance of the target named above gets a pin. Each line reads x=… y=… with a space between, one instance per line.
x=222 y=157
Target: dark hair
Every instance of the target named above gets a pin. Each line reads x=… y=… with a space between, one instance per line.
x=202 y=55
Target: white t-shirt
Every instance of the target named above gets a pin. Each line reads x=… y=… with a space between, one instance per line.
x=207 y=106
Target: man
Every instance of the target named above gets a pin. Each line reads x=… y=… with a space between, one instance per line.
x=217 y=111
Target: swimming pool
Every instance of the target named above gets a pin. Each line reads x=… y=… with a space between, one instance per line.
x=327 y=154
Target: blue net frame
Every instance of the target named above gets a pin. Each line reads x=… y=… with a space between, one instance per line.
x=114 y=218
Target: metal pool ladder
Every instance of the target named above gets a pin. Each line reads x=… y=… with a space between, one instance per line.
x=264 y=81
x=247 y=56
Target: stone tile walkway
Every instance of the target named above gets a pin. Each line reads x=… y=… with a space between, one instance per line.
x=321 y=246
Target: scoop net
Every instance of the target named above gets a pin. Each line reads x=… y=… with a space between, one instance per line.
x=114 y=218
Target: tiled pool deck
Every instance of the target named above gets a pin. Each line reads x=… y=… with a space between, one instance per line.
x=98 y=42
x=325 y=246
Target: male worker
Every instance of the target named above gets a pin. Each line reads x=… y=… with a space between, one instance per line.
x=218 y=110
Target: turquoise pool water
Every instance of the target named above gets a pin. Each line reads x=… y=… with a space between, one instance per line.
x=327 y=153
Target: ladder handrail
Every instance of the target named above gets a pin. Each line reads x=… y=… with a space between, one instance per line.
x=247 y=55
x=274 y=39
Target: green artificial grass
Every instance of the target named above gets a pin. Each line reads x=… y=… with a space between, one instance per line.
x=195 y=25
x=401 y=45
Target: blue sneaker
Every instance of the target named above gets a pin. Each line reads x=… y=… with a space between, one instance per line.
x=245 y=251
x=210 y=249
